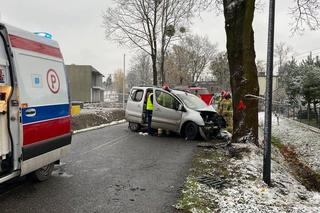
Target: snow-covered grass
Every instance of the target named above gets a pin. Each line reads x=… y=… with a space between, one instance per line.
x=244 y=190
x=101 y=109
x=96 y=115
x=305 y=139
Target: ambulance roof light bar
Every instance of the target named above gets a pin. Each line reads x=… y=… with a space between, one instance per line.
x=44 y=35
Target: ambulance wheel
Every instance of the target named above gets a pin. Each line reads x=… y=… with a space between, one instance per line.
x=191 y=131
x=134 y=127
x=42 y=174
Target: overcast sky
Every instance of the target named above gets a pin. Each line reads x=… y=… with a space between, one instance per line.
x=77 y=26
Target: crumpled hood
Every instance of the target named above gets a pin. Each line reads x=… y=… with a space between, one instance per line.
x=207 y=109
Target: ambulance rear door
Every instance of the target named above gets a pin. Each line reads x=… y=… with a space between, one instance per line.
x=44 y=101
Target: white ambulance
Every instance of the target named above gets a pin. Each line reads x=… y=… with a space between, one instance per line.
x=35 y=122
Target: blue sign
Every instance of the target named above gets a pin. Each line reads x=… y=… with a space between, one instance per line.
x=36 y=81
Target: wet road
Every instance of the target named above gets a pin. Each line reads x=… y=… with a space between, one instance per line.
x=108 y=170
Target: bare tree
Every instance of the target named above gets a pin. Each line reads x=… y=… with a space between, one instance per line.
x=191 y=57
x=201 y=52
x=140 y=71
x=177 y=67
x=261 y=66
x=219 y=67
x=118 y=80
x=305 y=13
x=282 y=52
x=148 y=25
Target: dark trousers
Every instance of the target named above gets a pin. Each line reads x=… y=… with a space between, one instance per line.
x=149 y=117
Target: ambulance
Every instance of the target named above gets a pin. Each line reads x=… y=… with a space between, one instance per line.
x=35 y=122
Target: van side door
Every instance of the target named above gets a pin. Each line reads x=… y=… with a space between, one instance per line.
x=166 y=114
x=134 y=109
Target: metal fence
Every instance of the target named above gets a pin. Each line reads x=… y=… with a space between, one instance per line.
x=298 y=113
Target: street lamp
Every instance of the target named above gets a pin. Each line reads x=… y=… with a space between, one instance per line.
x=268 y=103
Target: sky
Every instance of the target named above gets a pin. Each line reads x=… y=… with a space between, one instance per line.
x=77 y=26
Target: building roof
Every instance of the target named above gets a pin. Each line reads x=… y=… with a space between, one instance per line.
x=94 y=70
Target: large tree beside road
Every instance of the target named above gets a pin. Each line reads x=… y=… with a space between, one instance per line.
x=149 y=25
x=243 y=71
x=239 y=16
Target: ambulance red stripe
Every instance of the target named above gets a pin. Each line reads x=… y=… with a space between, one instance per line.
x=42 y=131
x=26 y=44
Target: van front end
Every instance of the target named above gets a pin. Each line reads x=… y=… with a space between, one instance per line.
x=213 y=125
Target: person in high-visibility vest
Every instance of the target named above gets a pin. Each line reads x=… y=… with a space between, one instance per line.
x=225 y=110
x=149 y=112
x=219 y=100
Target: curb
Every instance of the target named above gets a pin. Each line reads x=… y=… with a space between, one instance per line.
x=113 y=123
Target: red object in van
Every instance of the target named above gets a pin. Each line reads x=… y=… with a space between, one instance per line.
x=203 y=93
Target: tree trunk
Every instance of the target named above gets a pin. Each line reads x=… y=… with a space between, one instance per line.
x=315 y=111
x=243 y=70
x=162 y=58
x=308 y=108
x=154 y=69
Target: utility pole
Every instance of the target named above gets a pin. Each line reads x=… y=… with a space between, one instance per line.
x=124 y=80
x=268 y=107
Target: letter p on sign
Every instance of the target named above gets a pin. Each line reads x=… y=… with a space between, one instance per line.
x=53 y=81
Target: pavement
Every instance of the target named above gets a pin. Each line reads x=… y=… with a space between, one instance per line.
x=108 y=170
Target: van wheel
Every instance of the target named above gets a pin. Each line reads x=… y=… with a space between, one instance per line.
x=42 y=174
x=134 y=127
x=191 y=131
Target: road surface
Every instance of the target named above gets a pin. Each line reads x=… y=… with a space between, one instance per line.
x=108 y=170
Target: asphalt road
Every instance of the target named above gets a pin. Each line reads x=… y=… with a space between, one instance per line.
x=108 y=170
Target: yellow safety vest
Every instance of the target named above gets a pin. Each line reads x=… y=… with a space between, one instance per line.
x=226 y=106
x=149 y=102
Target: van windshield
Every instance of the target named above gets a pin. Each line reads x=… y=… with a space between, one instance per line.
x=192 y=101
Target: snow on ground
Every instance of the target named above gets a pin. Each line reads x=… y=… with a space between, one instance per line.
x=103 y=109
x=250 y=194
x=245 y=192
x=94 y=108
x=304 y=138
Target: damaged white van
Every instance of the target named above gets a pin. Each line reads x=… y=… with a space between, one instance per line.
x=35 y=122
x=174 y=110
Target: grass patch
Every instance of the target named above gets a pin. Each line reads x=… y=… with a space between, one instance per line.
x=277 y=143
x=206 y=162
x=313 y=122
x=193 y=198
